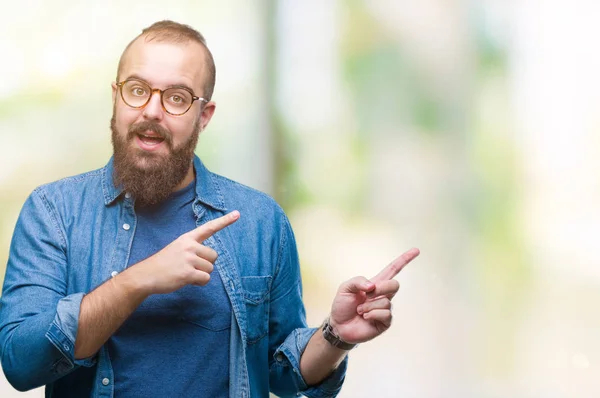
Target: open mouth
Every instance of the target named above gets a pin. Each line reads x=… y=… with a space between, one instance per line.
x=150 y=139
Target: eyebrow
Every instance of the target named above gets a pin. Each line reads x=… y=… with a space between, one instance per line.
x=183 y=86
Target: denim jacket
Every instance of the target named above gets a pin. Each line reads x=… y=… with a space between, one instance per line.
x=74 y=234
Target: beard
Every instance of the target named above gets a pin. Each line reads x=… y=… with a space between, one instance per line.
x=148 y=176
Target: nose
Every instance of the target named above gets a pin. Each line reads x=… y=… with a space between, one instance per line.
x=153 y=109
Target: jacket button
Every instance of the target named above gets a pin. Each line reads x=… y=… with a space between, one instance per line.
x=126 y=227
x=279 y=357
x=105 y=381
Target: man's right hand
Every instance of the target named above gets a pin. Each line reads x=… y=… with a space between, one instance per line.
x=185 y=261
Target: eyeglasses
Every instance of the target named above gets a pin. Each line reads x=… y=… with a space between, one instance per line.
x=175 y=100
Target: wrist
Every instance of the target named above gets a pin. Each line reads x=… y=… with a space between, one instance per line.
x=134 y=283
x=331 y=335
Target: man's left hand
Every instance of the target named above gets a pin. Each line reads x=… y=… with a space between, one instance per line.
x=362 y=308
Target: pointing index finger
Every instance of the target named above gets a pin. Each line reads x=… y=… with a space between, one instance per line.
x=208 y=229
x=396 y=266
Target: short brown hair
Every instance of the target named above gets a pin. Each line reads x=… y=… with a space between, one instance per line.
x=174 y=32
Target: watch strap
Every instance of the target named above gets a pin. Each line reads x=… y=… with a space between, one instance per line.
x=333 y=339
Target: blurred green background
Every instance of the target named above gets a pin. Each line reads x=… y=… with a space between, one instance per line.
x=466 y=128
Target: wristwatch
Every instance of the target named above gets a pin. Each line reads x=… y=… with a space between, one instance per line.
x=333 y=339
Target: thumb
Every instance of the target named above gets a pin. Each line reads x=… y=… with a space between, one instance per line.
x=356 y=285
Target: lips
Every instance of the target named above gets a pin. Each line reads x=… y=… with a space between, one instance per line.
x=149 y=140
x=149 y=135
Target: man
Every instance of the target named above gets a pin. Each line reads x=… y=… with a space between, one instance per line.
x=153 y=277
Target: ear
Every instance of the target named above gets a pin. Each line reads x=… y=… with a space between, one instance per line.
x=114 y=92
x=207 y=113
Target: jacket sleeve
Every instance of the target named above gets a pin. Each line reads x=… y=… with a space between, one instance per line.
x=38 y=320
x=288 y=331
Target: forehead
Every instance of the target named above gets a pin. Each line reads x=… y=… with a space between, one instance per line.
x=163 y=64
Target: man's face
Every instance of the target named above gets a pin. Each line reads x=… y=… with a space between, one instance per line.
x=152 y=148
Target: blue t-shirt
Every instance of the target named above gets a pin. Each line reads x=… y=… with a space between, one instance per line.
x=176 y=344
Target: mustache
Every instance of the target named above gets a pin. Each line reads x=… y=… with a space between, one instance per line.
x=156 y=128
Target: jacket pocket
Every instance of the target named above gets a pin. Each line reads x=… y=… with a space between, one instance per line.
x=256 y=292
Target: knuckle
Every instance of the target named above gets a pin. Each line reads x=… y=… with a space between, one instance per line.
x=187 y=243
x=204 y=278
x=208 y=254
x=186 y=238
x=187 y=277
x=204 y=266
x=201 y=251
x=190 y=256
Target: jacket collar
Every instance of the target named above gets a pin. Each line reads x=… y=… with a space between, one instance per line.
x=110 y=191
x=208 y=191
